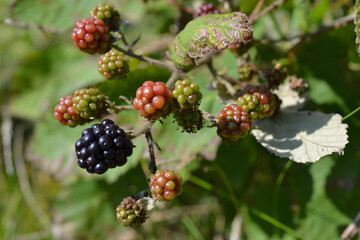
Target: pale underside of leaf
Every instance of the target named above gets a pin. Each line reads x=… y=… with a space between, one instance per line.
x=291 y=99
x=357 y=23
x=302 y=136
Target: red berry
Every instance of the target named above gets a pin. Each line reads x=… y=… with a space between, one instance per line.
x=66 y=114
x=165 y=185
x=91 y=35
x=205 y=9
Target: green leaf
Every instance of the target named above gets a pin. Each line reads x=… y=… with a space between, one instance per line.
x=357 y=23
x=207 y=33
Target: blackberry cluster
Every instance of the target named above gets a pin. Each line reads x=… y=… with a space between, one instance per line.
x=240 y=48
x=259 y=102
x=91 y=35
x=66 y=114
x=113 y=65
x=190 y=120
x=89 y=103
x=153 y=100
x=275 y=75
x=187 y=94
x=245 y=72
x=205 y=9
x=165 y=185
x=106 y=13
x=103 y=146
x=233 y=123
x=130 y=213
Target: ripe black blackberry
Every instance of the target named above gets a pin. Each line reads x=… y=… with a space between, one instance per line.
x=91 y=35
x=205 y=9
x=130 y=213
x=103 y=146
x=89 y=103
x=107 y=13
x=275 y=75
x=113 y=65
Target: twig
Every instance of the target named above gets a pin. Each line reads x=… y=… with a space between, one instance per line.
x=209 y=117
x=352 y=229
x=151 y=61
x=266 y=10
x=228 y=86
x=6 y=129
x=23 y=178
x=171 y=81
x=134 y=134
x=150 y=142
x=257 y=8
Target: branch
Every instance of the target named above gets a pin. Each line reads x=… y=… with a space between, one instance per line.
x=256 y=9
x=150 y=142
x=151 y=61
x=352 y=229
x=221 y=80
x=266 y=10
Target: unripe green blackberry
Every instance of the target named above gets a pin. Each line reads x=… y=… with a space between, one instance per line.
x=259 y=102
x=113 y=65
x=153 y=100
x=66 y=114
x=275 y=75
x=89 y=103
x=91 y=35
x=130 y=213
x=245 y=72
x=233 y=123
x=106 y=13
x=165 y=185
x=190 y=120
x=187 y=94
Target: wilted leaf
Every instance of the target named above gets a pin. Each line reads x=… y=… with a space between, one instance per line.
x=207 y=33
x=357 y=22
x=291 y=99
x=302 y=136
x=148 y=203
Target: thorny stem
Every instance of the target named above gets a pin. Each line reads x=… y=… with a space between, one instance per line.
x=266 y=10
x=150 y=142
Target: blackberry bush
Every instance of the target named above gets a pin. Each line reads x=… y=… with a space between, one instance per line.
x=103 y=146
x=187 y=94
x=153 y=100
x=165 y=185
x=130 y=213
x=113 y=65
x=233 y=123
x=91 y=35
x=89 y=103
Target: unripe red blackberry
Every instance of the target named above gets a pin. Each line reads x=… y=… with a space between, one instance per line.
x=106 y=13
x=153 y=100
x=103 y=146
x=275 y=75
x=130 y=213
x=66 y=114
x=113 y=65
x=267 y=105
x=187 y=94
x=233 y=123
x=205 y=9
x=165 y=185
x=189 y=120
x=91 y=35
x=89 y=103
x=245 y=72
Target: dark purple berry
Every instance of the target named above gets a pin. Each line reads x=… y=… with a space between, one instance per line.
x=82 y=163
x=99 y=131
x=110 y=154
x=89 y=138
x=91 y=161
x=94 y=149
x=110 y=163
x=79 y=144
x=104 y=142
x=86 y=131
x=100 y=168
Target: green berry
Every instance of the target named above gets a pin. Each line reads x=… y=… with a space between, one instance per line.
x=187 y=94
x=113 y=65
x=89 y=103
x=189 y=120
x=130 y=213
x=106 y=13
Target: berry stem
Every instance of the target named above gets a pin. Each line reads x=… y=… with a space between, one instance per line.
x=141 y=195
x=117 y=109
x=150 y=142
x=220 y=79
x=151 y=61
x=266 y=10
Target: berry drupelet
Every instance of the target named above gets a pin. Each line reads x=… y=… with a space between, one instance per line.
x=103 y=146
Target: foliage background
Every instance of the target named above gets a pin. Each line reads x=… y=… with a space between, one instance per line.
x=44 y=195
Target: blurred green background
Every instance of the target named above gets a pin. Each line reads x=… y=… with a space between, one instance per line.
x=240 y=189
